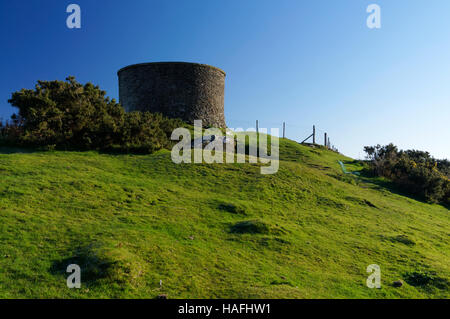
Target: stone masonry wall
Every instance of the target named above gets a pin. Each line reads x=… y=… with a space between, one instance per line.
x=189 y=91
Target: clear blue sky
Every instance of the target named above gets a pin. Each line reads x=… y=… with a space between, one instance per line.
x=302 y=62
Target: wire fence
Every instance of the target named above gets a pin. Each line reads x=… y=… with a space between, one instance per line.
x=309 y=134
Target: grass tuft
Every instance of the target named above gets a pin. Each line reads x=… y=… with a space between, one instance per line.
x=250 y=227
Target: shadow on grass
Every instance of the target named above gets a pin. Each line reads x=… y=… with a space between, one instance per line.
x=93 y=265
x=102 y=264
x=347 y=162
x=29 y=150
x=383 y=184
x=250 y=227
x=17 y=150
x=368 y=177
x=426 y=280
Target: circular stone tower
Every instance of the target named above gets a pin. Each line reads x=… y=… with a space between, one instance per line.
x=189 y=91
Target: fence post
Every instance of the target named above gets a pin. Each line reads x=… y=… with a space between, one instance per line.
x=325 y=140
x=314 y=134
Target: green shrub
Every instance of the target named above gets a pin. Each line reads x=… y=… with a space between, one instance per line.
x=10 y=132
x=69 y=115
x=413 y=171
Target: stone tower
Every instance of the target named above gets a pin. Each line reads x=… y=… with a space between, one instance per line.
x=189 y=91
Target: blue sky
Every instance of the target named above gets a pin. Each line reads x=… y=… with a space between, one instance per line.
x=301 y=62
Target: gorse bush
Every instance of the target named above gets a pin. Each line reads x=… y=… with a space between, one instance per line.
x=413 y=171
x=10 y=132
x=69 y=115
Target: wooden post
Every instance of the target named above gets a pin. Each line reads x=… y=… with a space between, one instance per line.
x=314 y=134
x=306 y=139
x=325 y=140
x=257 y=131
x=284 y=129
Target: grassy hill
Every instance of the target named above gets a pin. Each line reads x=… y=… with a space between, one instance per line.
x=212 y=231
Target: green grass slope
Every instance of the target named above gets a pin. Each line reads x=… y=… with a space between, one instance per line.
x=212 y=230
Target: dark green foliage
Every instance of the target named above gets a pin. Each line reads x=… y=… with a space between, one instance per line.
x=69 y=115
x=145 y=132
x=10 y=132
x=416 y=172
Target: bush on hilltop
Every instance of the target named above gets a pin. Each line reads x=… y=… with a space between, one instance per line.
x=72 y=116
